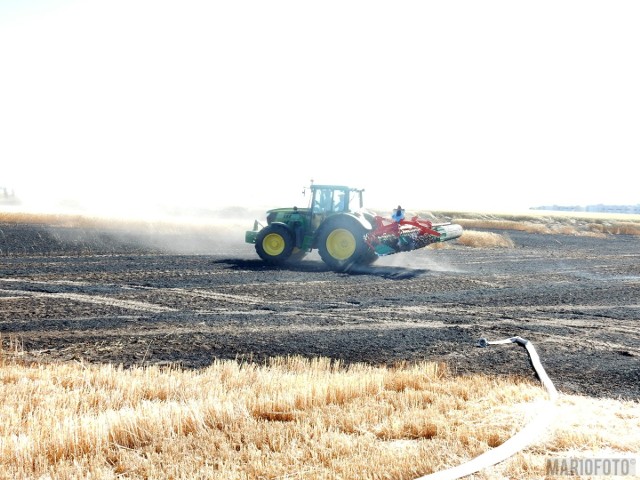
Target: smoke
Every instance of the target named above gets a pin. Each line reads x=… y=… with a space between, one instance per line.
x=405 y=265
x=422 y=259
x=222 y=238
x=73 y=227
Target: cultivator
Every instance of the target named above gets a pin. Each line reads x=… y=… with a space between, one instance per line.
x=389 y=237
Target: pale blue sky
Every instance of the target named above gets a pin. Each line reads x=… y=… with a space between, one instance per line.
x=445 y=105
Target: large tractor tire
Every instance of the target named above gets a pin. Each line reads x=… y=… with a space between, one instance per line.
x=274 y=244
x=341 y=243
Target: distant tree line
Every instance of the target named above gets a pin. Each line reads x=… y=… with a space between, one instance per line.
x=599 y=208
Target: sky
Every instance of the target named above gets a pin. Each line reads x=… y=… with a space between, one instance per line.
x=462 y=105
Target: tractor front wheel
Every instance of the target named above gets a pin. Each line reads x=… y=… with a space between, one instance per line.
x=274 y=244
x=341 y=244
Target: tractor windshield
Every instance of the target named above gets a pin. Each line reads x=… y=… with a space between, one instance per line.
x=330 y=200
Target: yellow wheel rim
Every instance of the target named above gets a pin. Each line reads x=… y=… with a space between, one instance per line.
x=273 y=244
x=341 y=244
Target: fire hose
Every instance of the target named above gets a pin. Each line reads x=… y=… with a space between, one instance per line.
x=520 y=440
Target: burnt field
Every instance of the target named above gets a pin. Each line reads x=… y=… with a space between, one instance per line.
x=185 y=296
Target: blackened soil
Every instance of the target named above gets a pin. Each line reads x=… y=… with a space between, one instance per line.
x=189 y=296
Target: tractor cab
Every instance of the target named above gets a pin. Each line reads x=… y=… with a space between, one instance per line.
x=335 y=199
x=327 y=200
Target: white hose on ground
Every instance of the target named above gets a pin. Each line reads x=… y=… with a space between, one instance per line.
x=520 y=440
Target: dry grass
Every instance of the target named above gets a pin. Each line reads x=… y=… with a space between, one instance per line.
x=204 y=225
x=43 y=219
x=65 y=220
x=290 y=418
x=471 y=238
x=476 y=239
x=565 y=223
x=555 y=228
x=561 y=223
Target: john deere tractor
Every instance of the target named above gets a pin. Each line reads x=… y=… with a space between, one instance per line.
x=342 y=230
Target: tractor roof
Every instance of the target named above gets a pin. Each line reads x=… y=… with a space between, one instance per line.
x=338 y=187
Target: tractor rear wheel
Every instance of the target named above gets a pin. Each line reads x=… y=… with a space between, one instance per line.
x=274 y=244
x=341 y=244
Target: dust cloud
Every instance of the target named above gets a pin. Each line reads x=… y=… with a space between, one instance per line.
x=418 y=259
x=404 y=265
x=77 y=228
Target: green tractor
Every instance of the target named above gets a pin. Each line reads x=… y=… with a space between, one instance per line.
x=342 y=230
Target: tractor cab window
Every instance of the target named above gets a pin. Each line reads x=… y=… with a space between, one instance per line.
x=355 y=200
x=323 y=201
x=340 y=202
x=330 y=200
